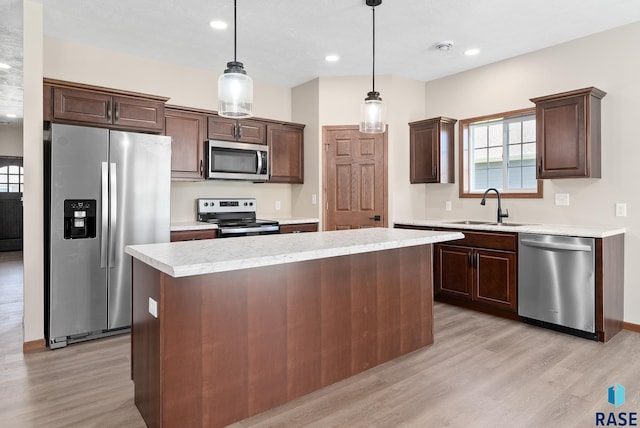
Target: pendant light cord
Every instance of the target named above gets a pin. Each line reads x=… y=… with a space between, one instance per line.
x=235 y=31
x=373 y=75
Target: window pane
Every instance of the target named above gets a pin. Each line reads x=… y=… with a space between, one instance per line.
x=4 y=179
x=514 y=178
x=479 y=137
x=3 y=187
x=514 y=132
x=13 y=179
x=495 y=179
x=15 y=188
x=529 y=177
x=495 y=134
x=529 y=150
x=14 y=169
x=21 y=178
x=515 y=153
x=4 y=170
x=495 y=154
x=480 y=156
x=529 y=130
x=480 y=180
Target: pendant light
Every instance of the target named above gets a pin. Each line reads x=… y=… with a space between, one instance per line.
x=372 y=109
x=235 y=86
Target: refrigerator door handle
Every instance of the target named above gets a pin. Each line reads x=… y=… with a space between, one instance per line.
x=104 y=225
x=113 y=221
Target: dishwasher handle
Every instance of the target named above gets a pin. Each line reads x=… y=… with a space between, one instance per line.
x=555 y=246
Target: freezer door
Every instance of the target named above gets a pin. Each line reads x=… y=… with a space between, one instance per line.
x=140 y=174
x=77 y=284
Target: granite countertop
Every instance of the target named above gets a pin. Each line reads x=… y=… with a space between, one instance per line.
x=543 y=229
x=199 y=225
x=188 y=258
x=192 y=225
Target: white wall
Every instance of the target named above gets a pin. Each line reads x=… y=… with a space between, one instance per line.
x=11 y=140
x=608 y=61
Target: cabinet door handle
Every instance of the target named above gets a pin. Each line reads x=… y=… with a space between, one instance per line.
x=201 y=167
x=470 y=258
x=117 y=117
x=477 y=260
x=109 y=110
x=239 y=132
x=435 y=170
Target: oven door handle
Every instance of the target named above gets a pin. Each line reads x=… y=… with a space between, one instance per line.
x=238 y=230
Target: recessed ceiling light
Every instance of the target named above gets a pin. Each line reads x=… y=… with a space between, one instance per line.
x=444 y=46
x=218 y=25
x=4 y=66
x=332 y=58
x=472 y=52
x=11 y=115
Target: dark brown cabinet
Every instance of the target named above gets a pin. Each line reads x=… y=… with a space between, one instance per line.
x=299 y=228
x=99 y=106
x=432 y=150
x=188 y=132
x=286 y=153
x=246 y=131
x=568 y=134
x=193 y=235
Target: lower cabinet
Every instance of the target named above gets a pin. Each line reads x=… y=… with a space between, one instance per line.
x=193 y=235
x=479 y=276
x=299 y=228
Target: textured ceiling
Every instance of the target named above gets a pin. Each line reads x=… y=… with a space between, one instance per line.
x=284 y=42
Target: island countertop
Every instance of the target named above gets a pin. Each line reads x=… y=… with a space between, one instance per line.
x=179 y=259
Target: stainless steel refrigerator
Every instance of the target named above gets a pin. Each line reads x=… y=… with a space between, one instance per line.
x=104 y=190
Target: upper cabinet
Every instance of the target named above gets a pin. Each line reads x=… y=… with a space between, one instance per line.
x=286 y=153
x=67 y=102
x=188 y=131
x=432 y=150
x=568 y=134
x=246 y=131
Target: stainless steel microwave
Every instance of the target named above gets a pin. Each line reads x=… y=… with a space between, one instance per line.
x=237 y=161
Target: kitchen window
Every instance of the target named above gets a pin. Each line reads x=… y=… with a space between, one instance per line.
x=499 y=151
x=11 y=179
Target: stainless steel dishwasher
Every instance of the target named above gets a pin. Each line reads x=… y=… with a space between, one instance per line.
x=556 y=283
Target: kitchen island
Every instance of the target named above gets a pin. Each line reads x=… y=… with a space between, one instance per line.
x=224 y=329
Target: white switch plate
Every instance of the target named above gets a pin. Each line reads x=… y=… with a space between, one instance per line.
x=277 y=205
x=621 y=210
x=447 y=206
x=153 y=307
x=562 y=199
x=314 y=199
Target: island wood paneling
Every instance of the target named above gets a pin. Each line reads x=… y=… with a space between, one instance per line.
x=230 y=345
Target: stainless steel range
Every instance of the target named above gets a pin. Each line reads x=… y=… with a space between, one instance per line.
x=235 y=217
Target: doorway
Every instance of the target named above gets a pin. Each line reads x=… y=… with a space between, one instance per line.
x=11 y=187
x=355 y=178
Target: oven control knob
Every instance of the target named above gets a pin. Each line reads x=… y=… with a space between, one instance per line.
x=206 y=204
x=251 y=203
x=245 y=204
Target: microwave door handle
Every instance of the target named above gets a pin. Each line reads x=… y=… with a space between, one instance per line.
x=259 y=154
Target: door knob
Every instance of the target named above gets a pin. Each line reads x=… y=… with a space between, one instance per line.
x=375 y=218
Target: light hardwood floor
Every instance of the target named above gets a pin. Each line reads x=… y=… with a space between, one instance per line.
x=482 y=371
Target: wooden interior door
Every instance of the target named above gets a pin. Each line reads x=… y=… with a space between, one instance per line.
x=11 y=182
x=355 y=178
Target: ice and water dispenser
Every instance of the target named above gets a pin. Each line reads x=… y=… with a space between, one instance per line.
x=79 y=218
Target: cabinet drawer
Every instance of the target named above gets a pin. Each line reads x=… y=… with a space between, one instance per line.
x=297 y=228
x=193 y=235
x=493 y=240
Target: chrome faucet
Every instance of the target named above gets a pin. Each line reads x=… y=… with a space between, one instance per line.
x=500 y=214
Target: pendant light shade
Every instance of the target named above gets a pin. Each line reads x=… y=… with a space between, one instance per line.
x=235 y=86
x=372 y=109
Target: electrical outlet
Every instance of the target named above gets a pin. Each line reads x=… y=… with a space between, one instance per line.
x=153 y=307
x=314 y=199
x=277 y=205
x=562 y=199
x=621 y=210
x=447 y=206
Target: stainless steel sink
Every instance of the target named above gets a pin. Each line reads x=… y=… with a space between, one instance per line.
x=486 y=223
x=469 y=222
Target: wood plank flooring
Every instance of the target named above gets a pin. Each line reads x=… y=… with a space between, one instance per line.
x=482 y=371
